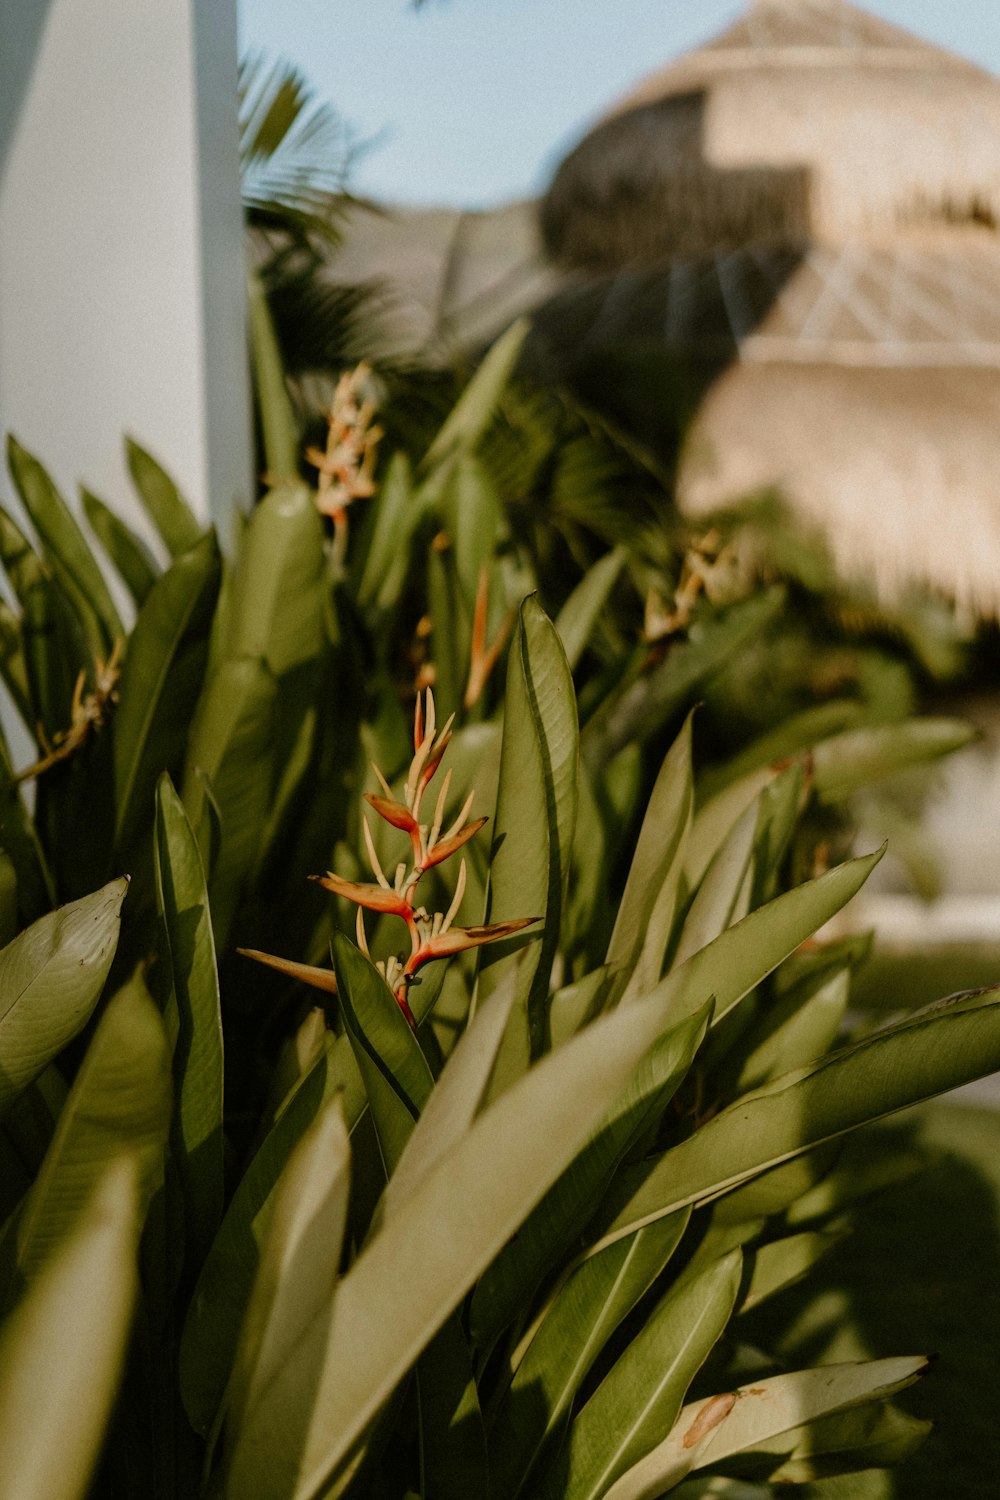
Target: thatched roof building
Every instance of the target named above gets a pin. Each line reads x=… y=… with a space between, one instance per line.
x=804 y=212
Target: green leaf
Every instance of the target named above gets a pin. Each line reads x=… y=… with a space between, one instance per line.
x=559 y=1218
x=742 y=956
x=706 y=1432
x=231 y=743
x=119 y=1102
x=477 y=404
x=160 y=683
x=396 y=1075
x=873 y=1436
x=134 y=563
x=798 y=1027
x=19 y=837
x=395 y=516
x=578 y=616
x=51 y=976
x=723 y=896
x=637 y=1402
x=12 y=664
x=887 y=1071
x=63 y=1348
x=654 y=869
x=66 y=549
x=781 y=1263
x=178 y=527
x=576 y=1326
x=453 y=1456
x=197 y=1134
x=533 y=830
x=451 y=1107
x=299 y=1262
x=451 y=1227
x=220 y=1298
x=847 y=762
x=650 y=700
x=276 y=606
x=716 y=819
x=277 y=419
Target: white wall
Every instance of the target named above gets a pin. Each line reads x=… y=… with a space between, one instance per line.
x=121 y=263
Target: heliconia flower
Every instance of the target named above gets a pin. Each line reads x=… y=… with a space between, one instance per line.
x=320 y=979
x=458 y=939
x=445 y=847
x=431 y=936
x=371 y=897
x=393 y=812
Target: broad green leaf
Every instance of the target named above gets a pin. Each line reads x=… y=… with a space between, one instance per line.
x=780 y=1263
x=578 y=616
x=654 y=863
x=533 y=830
x=231 y=743
x=276 y=605
x=716 y=819
x=63 y=1348
x=456 y=1098
x=24 y=568
x=396 y=1075
x=197 y=1134
x=474 y=517
x=639 y=1399
x=134 y=563
x=51 y=976
x=66 y=549
x=743 y=955
x=177 y=525
x=161 y=681
x=477 y=404
x=707 y=1432
x=887 y=1071
x=723 y=896
x=576 y=1326
x=119 y=1102
x=277 y=419
x=873 y=1436
x=13 y=668
x=222 y=1293
x=386 y=562
x=798 y=1027
x=55 y=651
x=399 y=1083
x=572 y=1006
x=453 y=1456
x=847 y=762
x=564 y=1211
x=780 y=808
x=792 y=736
x=299 y=1262
x=650 y=700
x=19 y=837
x=451 y=1226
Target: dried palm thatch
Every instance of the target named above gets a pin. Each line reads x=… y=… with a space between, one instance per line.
x=808 y=121
x=803 y=215
x=895 y=468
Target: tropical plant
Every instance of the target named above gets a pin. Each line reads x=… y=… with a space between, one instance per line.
x=316 y=1248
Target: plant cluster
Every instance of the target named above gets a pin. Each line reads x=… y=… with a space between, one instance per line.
x=504 y=1231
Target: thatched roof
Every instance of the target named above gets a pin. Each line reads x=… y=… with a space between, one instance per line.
x=808 y=121
x=895 y=468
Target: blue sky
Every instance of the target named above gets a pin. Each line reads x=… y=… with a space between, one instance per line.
x=474 y=101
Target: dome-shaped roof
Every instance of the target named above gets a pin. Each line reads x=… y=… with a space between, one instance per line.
x=807 y=121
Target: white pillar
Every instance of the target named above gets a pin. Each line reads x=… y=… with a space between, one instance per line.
x=121 y=256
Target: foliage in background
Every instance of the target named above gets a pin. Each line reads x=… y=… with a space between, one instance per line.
x=514 y=1248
